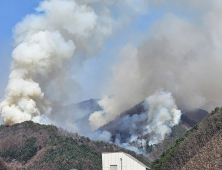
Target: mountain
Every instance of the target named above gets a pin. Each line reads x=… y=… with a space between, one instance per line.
x=209 y=156
x=196 y=115
x=90 y=105
x=199 y=148
x=157 y=150
x=73 y=116
x=86 y=107
x=117 y=126
x=33 y=146
x=135 y=117
x=189 y=118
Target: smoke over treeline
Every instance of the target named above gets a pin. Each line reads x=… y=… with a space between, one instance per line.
x=152 y=119
x=178 y=56
x=178 y=64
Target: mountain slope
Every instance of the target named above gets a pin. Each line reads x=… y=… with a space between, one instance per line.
x=192 y=143
x=209 y=157
x=177 y=131
x=134 y=117
x=34 y=146
x=188 y=118
x=196 y=115
x=73 y=116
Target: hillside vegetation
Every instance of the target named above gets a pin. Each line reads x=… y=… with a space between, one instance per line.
x=157 y=150
x=115 y=127
x=188 y=120
x=193 y=144
x=209 y=157
x=33 y=146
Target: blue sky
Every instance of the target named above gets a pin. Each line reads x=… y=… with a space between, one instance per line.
x=97 y=70
x=165 y=46
x=11 y=12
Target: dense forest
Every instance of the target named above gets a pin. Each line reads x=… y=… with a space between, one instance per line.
x=33 y=146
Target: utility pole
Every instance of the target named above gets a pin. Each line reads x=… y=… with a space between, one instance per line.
x=121 y=163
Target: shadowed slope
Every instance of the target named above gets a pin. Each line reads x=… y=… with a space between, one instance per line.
x=191 y=143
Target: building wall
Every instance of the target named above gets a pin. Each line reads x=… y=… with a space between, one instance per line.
x=114 y=159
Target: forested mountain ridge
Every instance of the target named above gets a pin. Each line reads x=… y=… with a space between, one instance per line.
x=198 y=148
x=116 y=127
x=33 y=146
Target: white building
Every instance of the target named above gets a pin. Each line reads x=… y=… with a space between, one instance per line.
x=121 y=161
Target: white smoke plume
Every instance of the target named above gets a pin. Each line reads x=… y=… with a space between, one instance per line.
x=45 y=42
x=178 y=56
x=59 y=33
x=163 y=114
x=122 y=87
x=181 y=56
x=153 y=124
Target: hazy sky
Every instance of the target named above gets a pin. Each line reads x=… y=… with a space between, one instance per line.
x=96 y=72
x=166 y=52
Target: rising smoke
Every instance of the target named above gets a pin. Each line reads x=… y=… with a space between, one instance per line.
x=45 y=43
x=50 y=46
x=162 y=115
x=179 y=55
x=147 y=123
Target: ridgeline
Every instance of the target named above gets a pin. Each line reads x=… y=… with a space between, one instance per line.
x=199 y=148
x=33 y=146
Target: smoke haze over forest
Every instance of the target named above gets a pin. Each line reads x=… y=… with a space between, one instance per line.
x=166 y=54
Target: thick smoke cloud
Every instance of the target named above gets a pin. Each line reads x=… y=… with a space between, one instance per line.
x=179 y=56
x=162 y=116
x=45 y=43
x=122 y=87
x=59 y=33
x=148 y=126
x=185 y=58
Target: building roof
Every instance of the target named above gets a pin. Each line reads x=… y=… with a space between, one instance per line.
x=128 y=156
